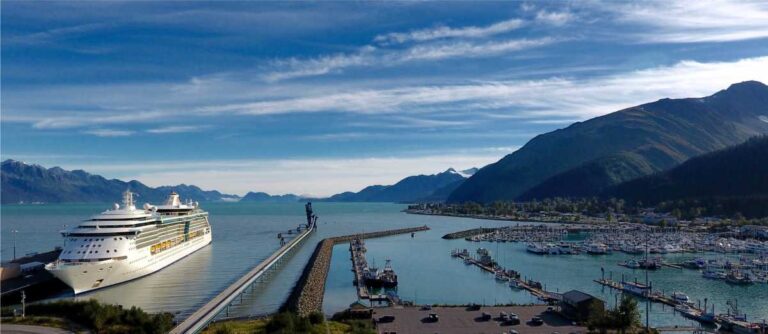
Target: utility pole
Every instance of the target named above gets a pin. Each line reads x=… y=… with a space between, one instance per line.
x=23 y=304
x=648 y=297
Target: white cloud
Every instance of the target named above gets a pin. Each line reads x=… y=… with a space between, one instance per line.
x=371 y=56
x=278 y=176
x=79 y=119
x=448 y=32
x=176 y=129
x=554 y=18
x=470 y=50
x=694 y=21
x=108 y=132
x=296 y=68
x=539 y=98
x=556 y=97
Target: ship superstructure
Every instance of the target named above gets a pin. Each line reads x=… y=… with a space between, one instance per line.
x=126 y=243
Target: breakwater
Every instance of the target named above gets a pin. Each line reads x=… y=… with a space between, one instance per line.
x=469 y=233
x=307 y=295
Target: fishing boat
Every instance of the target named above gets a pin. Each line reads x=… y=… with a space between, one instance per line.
x=536 y=248
x=597 y=249
x=636 y=288
x=738 y=278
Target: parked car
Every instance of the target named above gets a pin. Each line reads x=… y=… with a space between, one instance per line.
x=513 y=319
x=433 y=317
x=486 y=316
x=426 y=308
x=387 y=318
x=536 y=321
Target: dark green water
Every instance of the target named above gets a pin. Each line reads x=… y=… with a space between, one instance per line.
x=244 y=234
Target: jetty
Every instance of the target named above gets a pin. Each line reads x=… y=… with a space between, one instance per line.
x=533 y=287
x=205 y=314
x=307 y=295
x=469 y=233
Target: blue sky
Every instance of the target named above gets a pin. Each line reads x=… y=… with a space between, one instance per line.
x=322 y=97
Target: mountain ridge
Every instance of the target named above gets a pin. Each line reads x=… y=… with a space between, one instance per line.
x=29 y=183
x=631 y=142
x=410 y=189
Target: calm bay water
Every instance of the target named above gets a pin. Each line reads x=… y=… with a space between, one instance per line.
x=245 y=233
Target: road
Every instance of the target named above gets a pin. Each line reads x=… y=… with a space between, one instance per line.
x=27 y=329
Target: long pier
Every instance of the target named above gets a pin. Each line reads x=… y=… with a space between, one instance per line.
x=204 y=315
x=307 y=296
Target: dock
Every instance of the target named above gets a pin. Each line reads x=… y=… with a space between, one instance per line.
x=533 y=287
x=358 y=257
x=307 y=295
x=690 y=311
x=204 y=315
x=30 y=276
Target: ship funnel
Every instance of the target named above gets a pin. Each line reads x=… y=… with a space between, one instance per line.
x=173 y=200
x=128 y=200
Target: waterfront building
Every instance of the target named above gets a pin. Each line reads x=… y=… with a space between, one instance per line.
x=578 y=305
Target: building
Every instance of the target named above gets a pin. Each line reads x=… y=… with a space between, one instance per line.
x=358 y=310
x=578 y=305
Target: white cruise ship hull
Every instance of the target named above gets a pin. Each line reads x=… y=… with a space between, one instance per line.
x=88 y=276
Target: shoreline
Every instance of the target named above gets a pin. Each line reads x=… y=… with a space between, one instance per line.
x=480 y=217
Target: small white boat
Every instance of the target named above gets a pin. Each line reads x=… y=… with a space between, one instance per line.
x=514 y=284
x=680 y=297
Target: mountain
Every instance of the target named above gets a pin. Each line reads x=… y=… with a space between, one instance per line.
x=27 y=183
x=267 y=198
x=738 y=171
x=589 y=156
x=433 y=187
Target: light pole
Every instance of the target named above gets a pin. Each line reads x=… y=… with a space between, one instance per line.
x=14 y=242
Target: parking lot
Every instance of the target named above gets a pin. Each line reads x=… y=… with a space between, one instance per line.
x=412 y=320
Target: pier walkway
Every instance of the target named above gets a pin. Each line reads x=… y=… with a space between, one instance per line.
x=203 y=316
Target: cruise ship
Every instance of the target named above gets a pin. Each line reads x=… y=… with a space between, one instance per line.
x=126 y=243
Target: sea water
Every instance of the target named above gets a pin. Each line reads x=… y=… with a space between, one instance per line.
x=246 y=233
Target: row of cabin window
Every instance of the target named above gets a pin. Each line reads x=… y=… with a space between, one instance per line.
x=89 y=252
x=95 y=239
